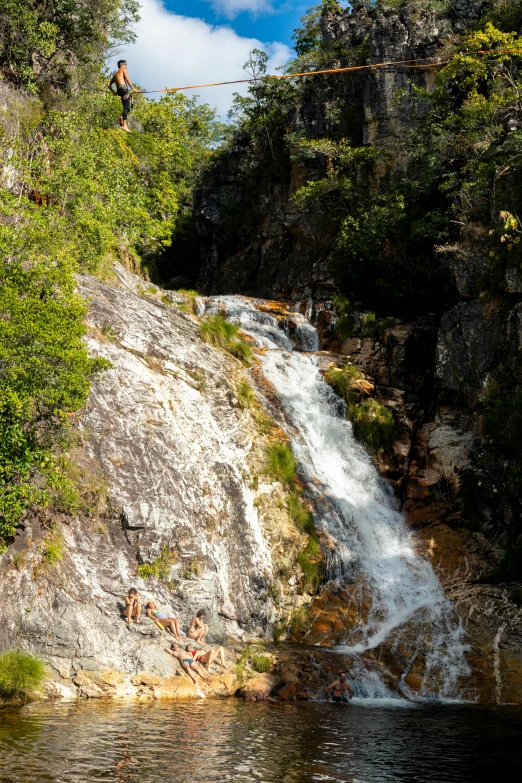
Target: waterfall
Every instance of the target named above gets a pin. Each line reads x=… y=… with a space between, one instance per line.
x=354 y=506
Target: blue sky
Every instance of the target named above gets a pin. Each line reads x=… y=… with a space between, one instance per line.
x=192 y=42
x=278 y=21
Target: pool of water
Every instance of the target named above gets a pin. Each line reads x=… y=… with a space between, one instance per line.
x=214 y=741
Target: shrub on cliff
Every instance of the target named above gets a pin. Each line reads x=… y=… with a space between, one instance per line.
x=20 y=673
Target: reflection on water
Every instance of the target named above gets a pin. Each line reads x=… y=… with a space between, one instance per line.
x=207 y=742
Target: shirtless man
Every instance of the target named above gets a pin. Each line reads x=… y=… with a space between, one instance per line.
x=338 y=689
x=125 y=89
x=171 y=623
x=208 y=658
x=187 y=662
x=198 y=630
x=132 y=606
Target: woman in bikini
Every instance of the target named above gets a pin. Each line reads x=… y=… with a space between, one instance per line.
x=198 y=629
x=132 y=608
x=207 y=658
x=171 y=623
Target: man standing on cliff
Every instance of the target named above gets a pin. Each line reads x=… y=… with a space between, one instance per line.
x=339 y=689
x=125 y=89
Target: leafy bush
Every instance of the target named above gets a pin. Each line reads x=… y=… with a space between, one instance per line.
x=302 y=518
x=261 y=663
x=281 y=463
x=217 y=331
x=160 y=567
x=20 y=673
x=373 y=423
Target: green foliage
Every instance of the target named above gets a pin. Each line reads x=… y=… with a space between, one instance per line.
x=160 y=567
x=298 y=620
x=251 y=655
x=216 y=330
x=302 y=518
x=80 y=191
x=344 y=381
x=45 y=371
x=383 y=239
x=52 y=549
x=20 y=673
x=310 y=561
x=373 y=424
x=245 y=395
x=261 y=663
x=281 y=464
x=52 y=39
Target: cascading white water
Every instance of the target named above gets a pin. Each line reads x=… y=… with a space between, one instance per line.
x=353 y=505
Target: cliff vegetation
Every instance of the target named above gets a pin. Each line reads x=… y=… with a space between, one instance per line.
x=75 y=194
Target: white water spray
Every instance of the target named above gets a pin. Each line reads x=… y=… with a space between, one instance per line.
x=354 y=506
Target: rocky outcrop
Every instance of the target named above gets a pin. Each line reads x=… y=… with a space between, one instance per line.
x=171 y=473
x=253 y=239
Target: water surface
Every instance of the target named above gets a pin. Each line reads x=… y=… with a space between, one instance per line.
x=209 y=742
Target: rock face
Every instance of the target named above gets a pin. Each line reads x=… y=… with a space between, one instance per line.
x=432 y=372
x=253 y=239
x=166 y=441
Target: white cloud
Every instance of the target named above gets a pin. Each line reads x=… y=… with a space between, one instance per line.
x=175 y=51
x=231 y=8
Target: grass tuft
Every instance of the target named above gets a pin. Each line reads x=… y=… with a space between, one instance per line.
x=281 y=463
x=373 y=423
x=245 y=395
x=52 y=549
x=20 y=672
x=309 y=560
x=302 y=518
x=261 y=663
x=217 y=331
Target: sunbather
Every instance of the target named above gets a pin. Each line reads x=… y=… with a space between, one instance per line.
x=171 y=623
x=132 y=608
x=198 y=629
x=208 y=657
x=187 y=662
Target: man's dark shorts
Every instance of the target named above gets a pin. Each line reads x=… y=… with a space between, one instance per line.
x=126 y=99
x=340 y=699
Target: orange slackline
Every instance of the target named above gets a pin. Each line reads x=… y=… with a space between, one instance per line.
x=424 y=63
x=405 y=63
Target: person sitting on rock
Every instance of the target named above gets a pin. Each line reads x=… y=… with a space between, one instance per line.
x=339 y=689
x=132 y=606
x=198 y=629
x=187 y=662
x=207 y=658
x=171 y=623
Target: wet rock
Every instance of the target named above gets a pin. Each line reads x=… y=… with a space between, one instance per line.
x=259 y=687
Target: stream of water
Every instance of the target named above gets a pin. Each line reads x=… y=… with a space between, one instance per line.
x=214 y=741
x=353 y=505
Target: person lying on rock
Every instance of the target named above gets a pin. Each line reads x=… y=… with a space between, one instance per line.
x=198 y=629
x=339 y=689
x=187 y=662
x=207 y=658
x=171 y=623
x=132 y=608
